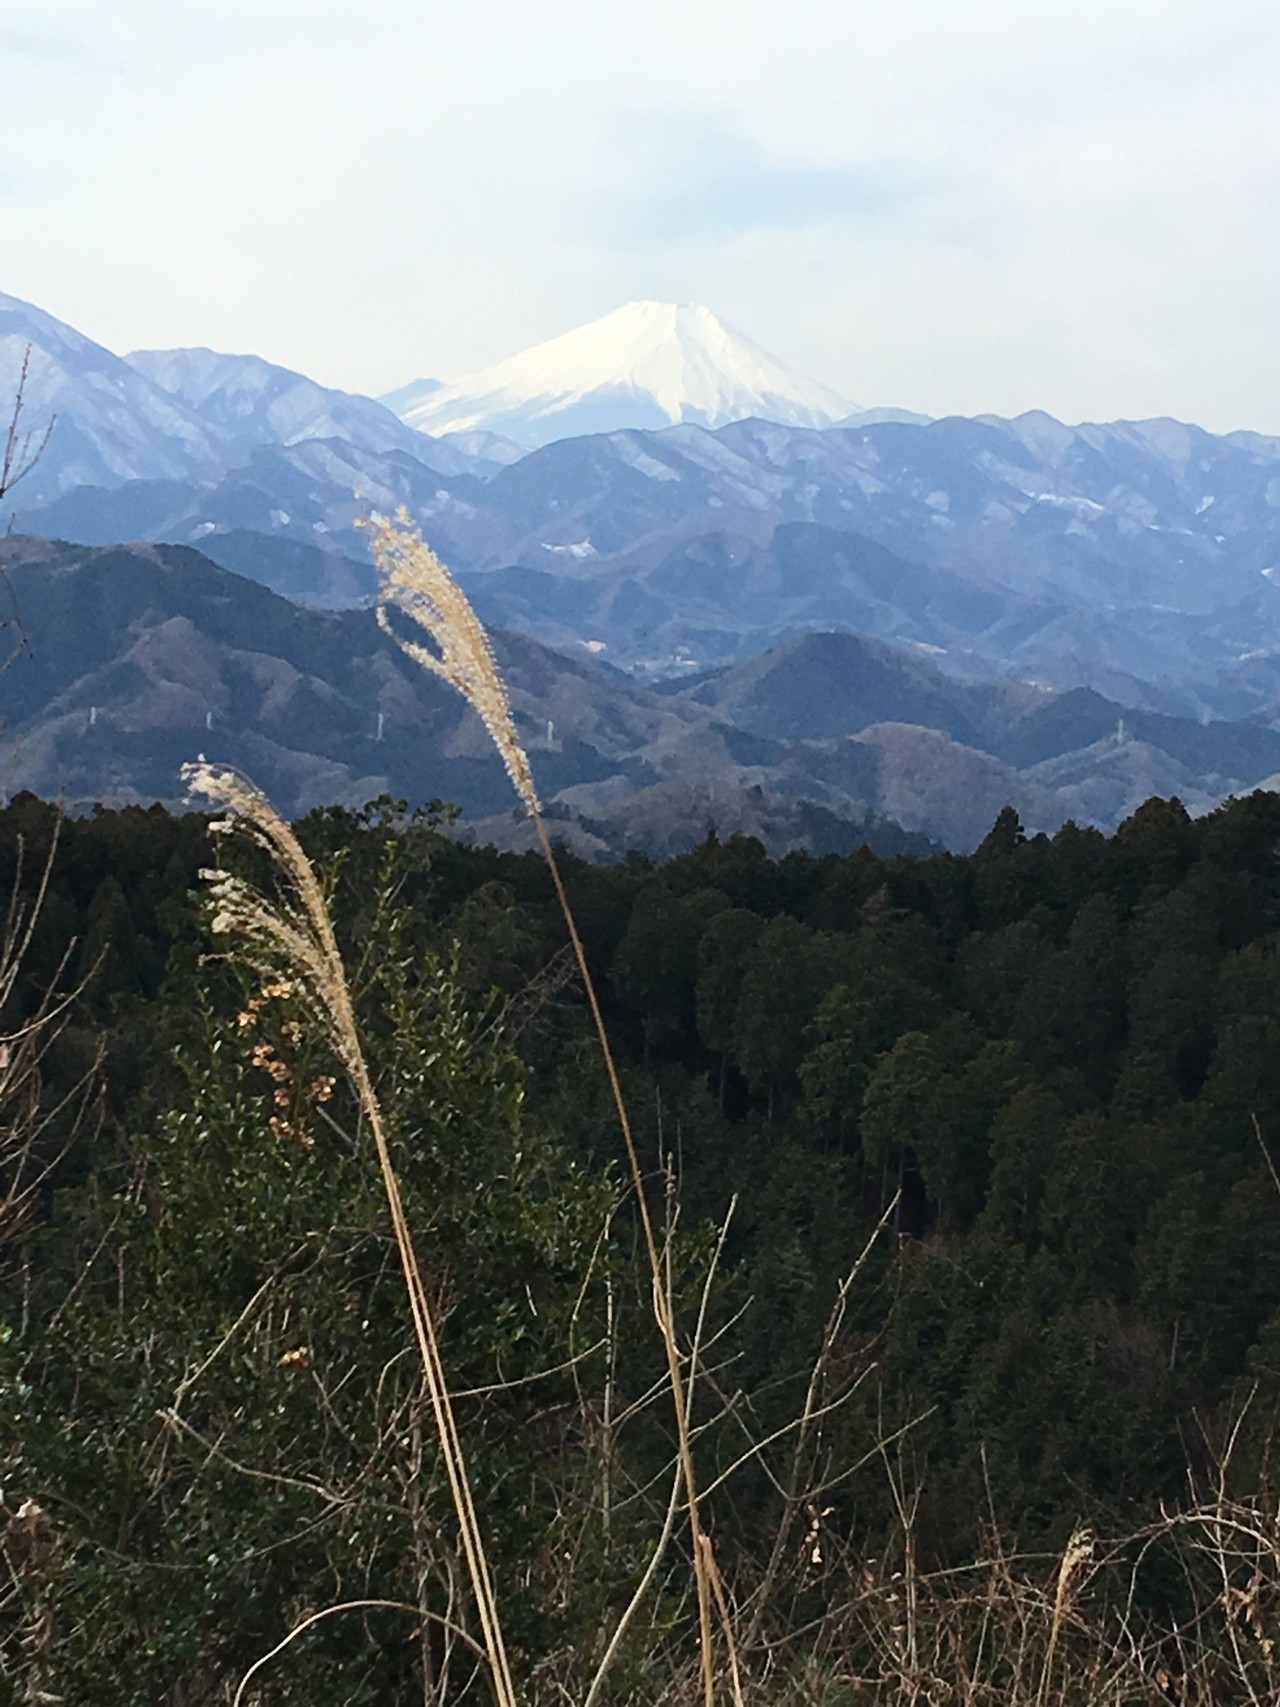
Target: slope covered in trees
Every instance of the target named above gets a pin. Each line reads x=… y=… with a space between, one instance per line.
x=1049 y=1071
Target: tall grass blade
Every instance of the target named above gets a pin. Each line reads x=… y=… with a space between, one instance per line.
x=297 y=934
x=416 y=583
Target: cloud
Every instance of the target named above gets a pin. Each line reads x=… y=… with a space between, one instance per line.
x=45 y=43
x=696 y=180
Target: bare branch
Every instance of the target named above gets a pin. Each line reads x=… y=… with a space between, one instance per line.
x=22 y=450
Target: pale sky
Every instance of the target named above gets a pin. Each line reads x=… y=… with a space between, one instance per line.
x=948 y=205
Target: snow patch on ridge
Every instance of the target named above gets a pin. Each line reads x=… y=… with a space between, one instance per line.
x=580 y=548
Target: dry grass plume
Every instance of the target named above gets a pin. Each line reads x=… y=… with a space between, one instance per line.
x=294 y=936
x=417 y=584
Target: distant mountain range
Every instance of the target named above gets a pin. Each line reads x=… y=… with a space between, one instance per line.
x=186 y=415
x=136 y=658
x=1140 y=559
x=687 y=548
x=244 y=402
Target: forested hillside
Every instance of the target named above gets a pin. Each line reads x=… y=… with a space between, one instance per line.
x=1048 y=1073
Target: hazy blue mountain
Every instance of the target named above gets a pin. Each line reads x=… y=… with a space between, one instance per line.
x=820 y=686
x=1134 y=557
x=404 y=397
x=248 y=402
x=873 y=417
x=315 y=492
x=729 y=593
x=187 y=415
x=113 y=423
x=1143 y=512
x=686 y=548
x=487 y=451
x=318 y=575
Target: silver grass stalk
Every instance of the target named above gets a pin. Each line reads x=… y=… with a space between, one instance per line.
x=415 y=581
x=296 y=934
x=1077 y=1553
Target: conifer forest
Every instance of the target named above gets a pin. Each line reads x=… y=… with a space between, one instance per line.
x=962 y=1178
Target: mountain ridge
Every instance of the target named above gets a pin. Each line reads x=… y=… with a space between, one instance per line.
x=184 y=414
x=1139 y=558
x=138 y=657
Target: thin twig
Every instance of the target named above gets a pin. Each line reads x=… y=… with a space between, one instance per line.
x=352 y=1606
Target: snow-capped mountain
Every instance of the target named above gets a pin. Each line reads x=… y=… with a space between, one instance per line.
x=113 y=423
x=250 y=402
x=648 y=364
x=189 y=415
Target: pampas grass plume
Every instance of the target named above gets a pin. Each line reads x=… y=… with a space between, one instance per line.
x=416 y=582
x=296 y=933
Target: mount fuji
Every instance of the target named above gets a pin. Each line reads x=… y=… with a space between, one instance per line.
x=648 y=364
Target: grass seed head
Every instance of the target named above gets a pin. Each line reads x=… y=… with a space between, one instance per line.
x=417 y=583
x=290 y=940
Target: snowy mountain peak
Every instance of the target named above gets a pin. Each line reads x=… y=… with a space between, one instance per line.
x=113 y=424
x=248 y=401
x=648 y=364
